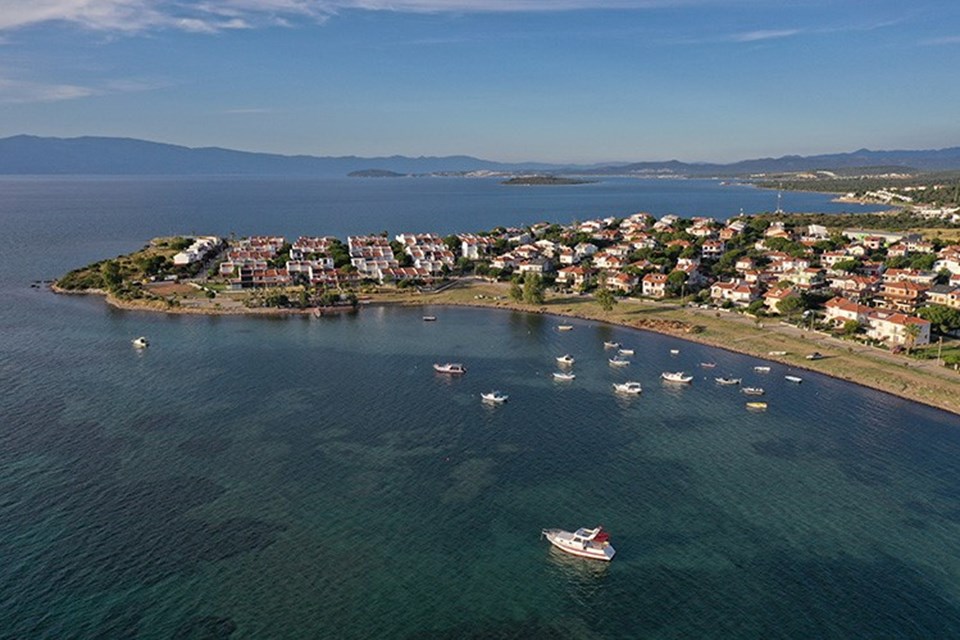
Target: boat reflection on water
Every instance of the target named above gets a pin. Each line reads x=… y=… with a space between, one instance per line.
x=583 y=580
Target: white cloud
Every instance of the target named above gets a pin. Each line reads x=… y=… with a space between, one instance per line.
x=17 y=92
x=764 y=34
x=210 y=16
x=942 y=41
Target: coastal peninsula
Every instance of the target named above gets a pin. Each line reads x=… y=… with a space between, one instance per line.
x=883 y=306
x=545 y=181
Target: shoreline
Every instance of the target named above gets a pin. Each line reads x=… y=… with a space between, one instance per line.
x=912 y=380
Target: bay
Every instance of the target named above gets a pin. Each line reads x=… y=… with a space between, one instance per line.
x=315 y=478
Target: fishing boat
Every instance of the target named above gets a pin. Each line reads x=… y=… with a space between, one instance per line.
x=561 y=375
x=816 y=355
x=565 y=327
x=625 y=352
x=757 y=406
x=796 y=379
x=451 y=368
x=429 y=318
x=632 y=388
x=676 y=376
x=762 y=369
x=586 y=543
x=674 y=352
x=495 y=397
x=728 y=381
x=140 y=343
x=611 y=345
x=752 y=391
x=618 y=362
x=708 y=365
x=566 y=359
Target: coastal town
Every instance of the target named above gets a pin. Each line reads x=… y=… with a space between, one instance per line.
x=894 y=289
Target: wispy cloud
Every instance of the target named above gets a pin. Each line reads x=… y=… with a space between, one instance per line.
x=243 y=111
x=763 y=34
x=212 y=16
x=933 y=42
x=18 y=92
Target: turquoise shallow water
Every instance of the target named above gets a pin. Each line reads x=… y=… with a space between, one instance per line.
x=306 y=478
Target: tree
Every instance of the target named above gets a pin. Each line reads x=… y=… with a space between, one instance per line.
x=532 y=289
x=790 y=305
x=605 y=298
x=676 y=282
x=848 y=266
x=851 y=328
x=110 y=272
x=943 y=319
x=912 y=332
x=453 y=244
x=516 y=293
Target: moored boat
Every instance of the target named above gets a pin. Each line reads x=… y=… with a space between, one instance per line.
x=728 y=381
x=611 y=345
x=708 y=365
x=140 y=343
x=429 y=318
x=565 y=359
x=632 y=388
x=676 y=376
x=452 y=368
x=625 y=352
x=618 y=362
x=757 y=406
x=586 y=543
x=562 y=375
x=752 y=391
x=762 y=369
x=495 y=397
x=565 y=327
x=674 y=352
x=796 y=379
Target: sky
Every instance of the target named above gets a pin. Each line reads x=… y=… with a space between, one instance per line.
x=513 y=80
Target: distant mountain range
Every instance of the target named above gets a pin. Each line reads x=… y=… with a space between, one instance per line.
x=24 y=154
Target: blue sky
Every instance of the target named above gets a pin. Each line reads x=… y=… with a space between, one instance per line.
x=563 y=81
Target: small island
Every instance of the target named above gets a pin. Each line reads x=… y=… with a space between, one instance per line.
x=375 y=173
x=548 y=181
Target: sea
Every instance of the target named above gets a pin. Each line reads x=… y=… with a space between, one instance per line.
x=314 y=478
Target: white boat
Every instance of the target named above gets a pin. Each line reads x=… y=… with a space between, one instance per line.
x=625 y=352
x=728 y=381
x=676 y=376
x=586 y=543
x=452 y=368
x=611 y=345
x=429 y=318
x=708 y=365
x=674 y=352
x=565 y=359
x=762 y=369
x=752 y=391
x=561 y=375
x=632 y=388
x=618 y=362
x=796 y=379
x=495 y=397
x=565 y=327
x=140 y=343
x=777 y=353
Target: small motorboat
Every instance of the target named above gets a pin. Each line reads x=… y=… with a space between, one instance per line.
x=757 y=406
x=777 y=353
x=495 y=397
x=611 y=345
x=816 y=355
x=674 y=352
x=565 y=327
x=586 y=543
x=625 y=352
x=618 y=362
x=762 y=369
x=796 y=379
x=676 y=376
x=140 y=343
x=451 y=368
x=708 y=365
x=728 y=381
x=632 y=388
x=429 y=318
x=562 y=375
x=752 y=391
x=566 y=359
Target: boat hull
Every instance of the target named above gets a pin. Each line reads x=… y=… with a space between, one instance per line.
x=594 y=551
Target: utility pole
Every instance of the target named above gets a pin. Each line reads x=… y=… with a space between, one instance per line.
x=939 y=351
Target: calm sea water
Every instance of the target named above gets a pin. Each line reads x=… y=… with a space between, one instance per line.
x=305 y=478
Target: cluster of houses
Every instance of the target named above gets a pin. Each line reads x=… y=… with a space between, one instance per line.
x=656 y=258
x=201 y=248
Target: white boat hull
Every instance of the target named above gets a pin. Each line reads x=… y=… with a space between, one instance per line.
x=593 y=550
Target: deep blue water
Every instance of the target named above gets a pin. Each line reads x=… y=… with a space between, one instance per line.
x=305 y=478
